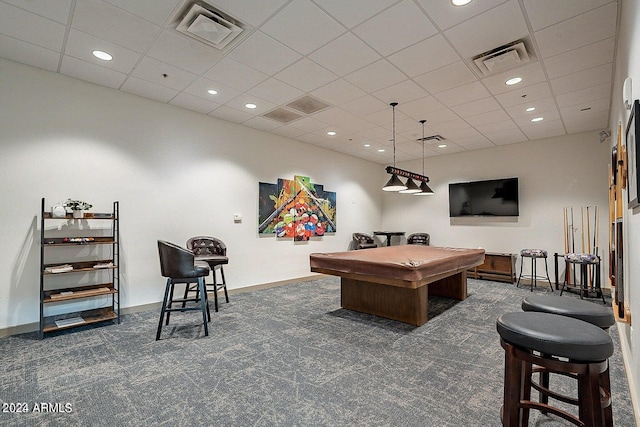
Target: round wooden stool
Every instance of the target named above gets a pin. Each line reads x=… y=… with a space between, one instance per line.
x=586 y=311
x=561 y=345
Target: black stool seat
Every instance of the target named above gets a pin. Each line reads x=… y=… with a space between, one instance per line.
x=596 y=314
x=555 y=335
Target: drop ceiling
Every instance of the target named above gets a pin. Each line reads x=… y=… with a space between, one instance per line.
x=354 y=56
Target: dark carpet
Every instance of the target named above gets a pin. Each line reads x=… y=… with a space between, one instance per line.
x=285 y=356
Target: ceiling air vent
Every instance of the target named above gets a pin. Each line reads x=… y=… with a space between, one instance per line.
x=431 y=138
x=209 y=26
x=282 y=115
x=307 y=104
x=505 y=57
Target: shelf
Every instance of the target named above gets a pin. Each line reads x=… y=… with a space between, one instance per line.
x=79 y=267
x=87 y=215
x=89 y=316
x=68 y=241
x=78 y=292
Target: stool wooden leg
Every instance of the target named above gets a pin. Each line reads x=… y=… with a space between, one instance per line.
x=533 y=272
x=590 y=409
x=170 y=301
x=204 y=304
x=164 y=307
x=512 y=387
x=224 y=284
x=525 y=392
x=605 y=384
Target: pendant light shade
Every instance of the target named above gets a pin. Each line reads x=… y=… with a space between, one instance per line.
x=412 y=187
x=425 y=190
x=394 y=184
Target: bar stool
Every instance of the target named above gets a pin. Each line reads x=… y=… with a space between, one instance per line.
x=534 y=254
x=595 y=314
x=562 y=345
x=584 y=261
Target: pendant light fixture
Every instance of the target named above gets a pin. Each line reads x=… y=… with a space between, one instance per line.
x=394 y=183
x=424 y=188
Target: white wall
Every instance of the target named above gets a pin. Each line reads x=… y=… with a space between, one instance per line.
x=176 y=174
x=628 y=65
x=552 y=173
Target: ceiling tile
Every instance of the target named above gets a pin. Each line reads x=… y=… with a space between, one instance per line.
x=183 y=52
x=229 y=114
x=424 y=56
x=345 y=54
x=264 y=54
x=306 y=75
x=194 y=103
x=446 y=77
x=201 y=86
x=524 y=95
x=550 y=116
x=31 y=28
x=28 y=53
x=262 y=106
x=531 y=75
x=354 y=12
x=383 y=33
x=148 y=89
x=276 y=91
x=56 y=10
x=466 y=93
x=365 y=105
x=588 y=121
x=302 y=26
x=549 y=130
x=488 y=117
x=538 y=10
x=376 y=76
x=262 y=123
x=113 y=24
x=446 y=15
x=476 y=107
x=584 y=95
x=497 y=127
x=586 y=109
x=508 y=136
x=402 y=92
x=419 y=107
x=163 y=74
x=583 y=58
x=155 y=11
x=582 y=80
x=90 y=72
x=540 y=105
x=308 y=124
x=338 y=92
x=80 y=45
x=593 y=26
x=235 y=74
x=498 y=26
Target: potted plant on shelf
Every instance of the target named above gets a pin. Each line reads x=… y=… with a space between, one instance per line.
x=77 y=207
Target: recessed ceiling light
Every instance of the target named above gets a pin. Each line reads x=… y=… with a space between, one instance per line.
x=442 y=146
x=513 y=81
x=537 y=119
x=251 y=106
x=102 y=55
x=460 y=2
x=331 y=133
x=530 y=109
x=212 y=92
x=367 y=145
x=381 y=150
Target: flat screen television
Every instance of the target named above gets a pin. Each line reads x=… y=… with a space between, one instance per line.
x=496 y=197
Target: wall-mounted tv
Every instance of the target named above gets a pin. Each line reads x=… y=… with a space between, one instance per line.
x=496 y=197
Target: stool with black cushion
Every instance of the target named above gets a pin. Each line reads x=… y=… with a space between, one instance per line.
x=418 y=239
x=363 y=241
x=214 y=252
x=534 y=255
x=178 y=265
x=584 y=261
x=598 y=315
x=562 y=345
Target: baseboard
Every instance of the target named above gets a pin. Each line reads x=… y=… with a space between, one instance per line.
x=626 y=357
x=32 y=327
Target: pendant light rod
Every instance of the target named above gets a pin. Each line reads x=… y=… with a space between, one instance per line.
x=423 y=121
x=393 y=109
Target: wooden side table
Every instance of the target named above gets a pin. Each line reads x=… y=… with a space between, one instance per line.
x=496 y=266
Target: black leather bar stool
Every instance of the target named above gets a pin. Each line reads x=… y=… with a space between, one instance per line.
x=214 y=252
x=598 y=315
x=562 y=345
x=534 y=254
x=178 y=266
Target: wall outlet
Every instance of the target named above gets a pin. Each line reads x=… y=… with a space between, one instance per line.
x=237 y=218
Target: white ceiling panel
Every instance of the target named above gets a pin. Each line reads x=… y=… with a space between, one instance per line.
x=357 y=56
x=383 y=33
x=302 y=26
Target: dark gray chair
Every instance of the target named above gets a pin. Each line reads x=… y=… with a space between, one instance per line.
x=418 y=239
x=178 y=265
x=214 y=252
x=363 y=241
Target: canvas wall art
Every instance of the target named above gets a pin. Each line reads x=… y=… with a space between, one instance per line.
x=296 y=208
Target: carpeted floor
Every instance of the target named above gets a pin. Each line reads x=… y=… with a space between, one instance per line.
x=285 y=356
